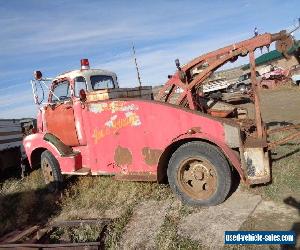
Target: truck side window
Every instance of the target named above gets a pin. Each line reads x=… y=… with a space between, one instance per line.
x=80 y=84
x=62 y=91
x=102 y=82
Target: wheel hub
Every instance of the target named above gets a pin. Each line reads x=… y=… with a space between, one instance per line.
x=47 y=171
x=197 y=178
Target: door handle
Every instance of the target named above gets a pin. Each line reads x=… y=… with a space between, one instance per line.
x=68 y=107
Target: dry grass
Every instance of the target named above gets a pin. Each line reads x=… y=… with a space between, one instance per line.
x=104 y=197
x=168 y=237
x=25 y=202
x=285 y=171
x=116 y=230
x=288 y=85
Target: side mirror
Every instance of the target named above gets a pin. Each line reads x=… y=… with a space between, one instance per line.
x=177 y=63
x=82 y=95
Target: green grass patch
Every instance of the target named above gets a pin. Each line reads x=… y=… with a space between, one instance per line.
x=80 y=234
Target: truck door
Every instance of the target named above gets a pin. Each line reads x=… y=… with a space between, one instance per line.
x=59 y=114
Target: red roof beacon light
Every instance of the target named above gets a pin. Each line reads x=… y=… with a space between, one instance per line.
x=85 y=64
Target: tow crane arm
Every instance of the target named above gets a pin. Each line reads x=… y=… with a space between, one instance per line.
x=206 y=64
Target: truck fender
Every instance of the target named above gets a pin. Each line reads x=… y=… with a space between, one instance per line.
x=231 y=156
x=35 y=144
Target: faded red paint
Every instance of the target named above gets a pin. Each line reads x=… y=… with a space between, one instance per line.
x=63 y=113
x=68 y=164
x=55 y=116
x=128 y=136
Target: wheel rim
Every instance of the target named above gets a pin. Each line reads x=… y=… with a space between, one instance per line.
x=197 y=177
x=47 y=171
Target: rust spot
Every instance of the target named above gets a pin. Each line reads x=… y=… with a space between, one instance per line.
x=122 y=156
x=63 y=149
x=151 y=156
x=195 y=130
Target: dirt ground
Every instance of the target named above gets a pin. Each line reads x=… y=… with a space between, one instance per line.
x=278 y=106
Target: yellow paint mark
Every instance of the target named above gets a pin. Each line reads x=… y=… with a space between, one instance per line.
x=112 y=126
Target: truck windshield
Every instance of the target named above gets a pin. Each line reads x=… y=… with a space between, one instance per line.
x=102 y=82
x=62 y=91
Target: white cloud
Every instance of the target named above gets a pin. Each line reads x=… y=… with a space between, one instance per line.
x=14 y=97
x=156 y=63
x=28 y=110
x=94 y=25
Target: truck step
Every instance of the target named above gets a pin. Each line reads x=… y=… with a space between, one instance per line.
x=81 y=171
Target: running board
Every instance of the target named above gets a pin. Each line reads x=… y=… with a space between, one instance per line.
x=81 y=171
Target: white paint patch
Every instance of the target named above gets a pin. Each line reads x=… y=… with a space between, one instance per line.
x=110 y=123
x=78 y=130
x=113 y=107
x=136 y=121
x=98 y=107
x=131 y=107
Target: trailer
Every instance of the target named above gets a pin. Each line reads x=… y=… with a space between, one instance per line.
x=11 y=147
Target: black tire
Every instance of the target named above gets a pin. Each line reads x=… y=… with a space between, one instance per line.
x=211 y=158
x=51 y=171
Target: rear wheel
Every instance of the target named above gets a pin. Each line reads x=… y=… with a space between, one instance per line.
x=199 y=174
x=51 y=171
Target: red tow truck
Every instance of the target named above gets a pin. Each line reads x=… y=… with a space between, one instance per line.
x=90 y=126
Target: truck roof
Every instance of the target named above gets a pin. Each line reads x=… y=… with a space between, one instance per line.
x=85 y=73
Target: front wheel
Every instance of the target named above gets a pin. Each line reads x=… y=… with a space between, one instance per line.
x=199 y=174
x=51 y=171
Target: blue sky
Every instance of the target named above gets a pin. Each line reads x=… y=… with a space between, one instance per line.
x=53 y=36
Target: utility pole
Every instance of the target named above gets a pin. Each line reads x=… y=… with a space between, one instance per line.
x=136 y=66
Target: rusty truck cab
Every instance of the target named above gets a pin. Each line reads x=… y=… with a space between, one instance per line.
x=63 y=105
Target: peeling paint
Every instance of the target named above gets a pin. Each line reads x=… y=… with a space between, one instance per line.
x=122 y=156
x=115 y=106
x=151 y=156
x=195 y=130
